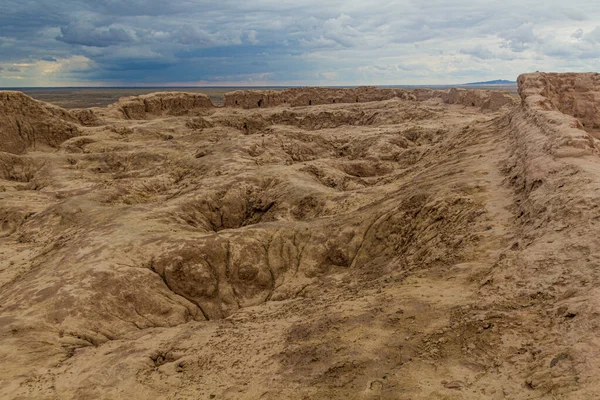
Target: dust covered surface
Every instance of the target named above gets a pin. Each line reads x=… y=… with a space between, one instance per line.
x=422 y=245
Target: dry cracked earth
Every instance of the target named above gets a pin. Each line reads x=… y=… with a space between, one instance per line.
x=415 y=245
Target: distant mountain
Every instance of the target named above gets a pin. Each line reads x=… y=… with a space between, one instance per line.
x=496 y=82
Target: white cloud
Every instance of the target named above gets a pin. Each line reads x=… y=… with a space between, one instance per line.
x=251 y=37
x=593 y=36
x=84 y=33
x=340 y=30
x=520 y=38
x=479 y=51
x=329 y=75
x=306 y=41
x=45 y=72
x=578 y=34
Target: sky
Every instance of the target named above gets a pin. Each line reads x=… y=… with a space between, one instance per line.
x=291 y=42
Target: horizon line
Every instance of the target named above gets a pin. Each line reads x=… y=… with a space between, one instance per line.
x=251 y=87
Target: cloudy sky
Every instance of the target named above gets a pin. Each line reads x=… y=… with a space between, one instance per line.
x=291 y=42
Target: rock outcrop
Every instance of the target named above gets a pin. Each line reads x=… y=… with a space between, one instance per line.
x=25 y=123
x=161 y=104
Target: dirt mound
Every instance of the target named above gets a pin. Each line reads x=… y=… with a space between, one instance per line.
x=159 y=104
x=25 y=123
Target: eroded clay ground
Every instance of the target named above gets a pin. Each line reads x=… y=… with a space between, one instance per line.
x=373 y=250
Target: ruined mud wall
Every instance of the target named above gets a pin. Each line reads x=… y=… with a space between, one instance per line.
x=25 y=123
x=294 y=97
x=253 y=98
x=485 y=99
x=314 y=96
x=552 y=172
x=564 y=107
x=85 y=116
x=577 y=95
x=160 y=104
x=547 y=145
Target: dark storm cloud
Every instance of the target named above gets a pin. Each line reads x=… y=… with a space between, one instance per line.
x=297 y=41
x=86 y=34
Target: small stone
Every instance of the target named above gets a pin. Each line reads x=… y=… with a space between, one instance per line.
x=558 y=358
x=454 y=385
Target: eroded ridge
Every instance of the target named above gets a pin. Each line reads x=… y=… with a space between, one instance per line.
x=298 y=97
x=406 y=245
x=28 y=123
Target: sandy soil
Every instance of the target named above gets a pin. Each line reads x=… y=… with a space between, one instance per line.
x=395 y=249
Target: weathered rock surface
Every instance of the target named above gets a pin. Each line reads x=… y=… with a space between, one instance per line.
x=26 y=123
